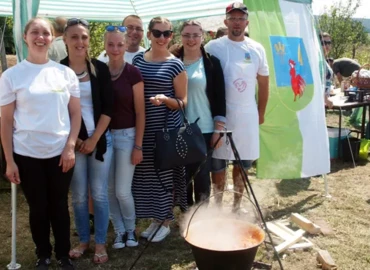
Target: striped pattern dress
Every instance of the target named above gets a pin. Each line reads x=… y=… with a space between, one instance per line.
x=155 y=196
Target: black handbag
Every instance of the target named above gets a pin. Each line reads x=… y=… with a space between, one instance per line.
x=179 y=146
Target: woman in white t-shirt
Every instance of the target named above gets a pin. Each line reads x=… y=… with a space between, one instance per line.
x=40 y=121
x=94 y=144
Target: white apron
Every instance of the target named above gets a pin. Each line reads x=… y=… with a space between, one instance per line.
x=240 y=72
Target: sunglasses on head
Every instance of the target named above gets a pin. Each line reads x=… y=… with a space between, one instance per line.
x=111 y=28
x=75 y=21
x=325 y=42
x=157 y=33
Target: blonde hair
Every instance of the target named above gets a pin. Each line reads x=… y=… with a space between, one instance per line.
x=124 y=35
x=156 y=20
x=88 y=57
x=31 y=21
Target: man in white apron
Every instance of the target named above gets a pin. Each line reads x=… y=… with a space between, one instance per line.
x=244 y=64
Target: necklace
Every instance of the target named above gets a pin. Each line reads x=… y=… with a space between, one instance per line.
x=190 y=62
x=115 y=76
x=81 y=75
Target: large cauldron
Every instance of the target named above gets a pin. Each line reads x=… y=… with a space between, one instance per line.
x=214 y=251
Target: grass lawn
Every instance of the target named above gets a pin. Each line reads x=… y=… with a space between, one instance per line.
x=347 y=213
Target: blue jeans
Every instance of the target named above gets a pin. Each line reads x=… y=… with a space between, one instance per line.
x=121 y=201
x=91 y=173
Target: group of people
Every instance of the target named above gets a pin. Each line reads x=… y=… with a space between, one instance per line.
x=89 y=125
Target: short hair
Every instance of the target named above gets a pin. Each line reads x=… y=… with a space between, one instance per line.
x=131 y=16
x=159 y=19
x=324 y=35
x=220 y=32
x=59 y=24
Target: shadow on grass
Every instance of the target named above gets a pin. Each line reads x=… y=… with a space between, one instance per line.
x=339 y=165
x=299 y=207
x=172 y=252
x=290 y=187
x=368 y=201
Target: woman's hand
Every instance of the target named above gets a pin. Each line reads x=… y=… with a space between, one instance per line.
x=136 y=156
x=67 y=159
x=158 y=99
x=214 y=139
x=78 y=144
x=88 y=146
x=12 y=173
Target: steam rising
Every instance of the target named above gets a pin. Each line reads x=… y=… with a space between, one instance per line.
x=218 y=228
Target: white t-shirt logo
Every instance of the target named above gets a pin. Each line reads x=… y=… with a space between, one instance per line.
x=240 y=85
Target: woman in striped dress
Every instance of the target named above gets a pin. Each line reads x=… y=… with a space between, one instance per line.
x=165 y=80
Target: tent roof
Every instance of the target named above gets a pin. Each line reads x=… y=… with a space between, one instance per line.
x=116 y=10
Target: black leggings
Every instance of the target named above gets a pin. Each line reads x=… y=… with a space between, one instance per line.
x=202 y=181
x=46 y=187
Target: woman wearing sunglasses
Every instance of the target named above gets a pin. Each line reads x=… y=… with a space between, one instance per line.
x=40 y=120
x=127 y=128
x=165 y=81
x=94 y=145
x=206 y=100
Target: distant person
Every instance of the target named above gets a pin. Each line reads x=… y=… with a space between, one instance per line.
x=135 y=31
x=325 y=39
x=344 y=67
x=221 y=31
x=57 y=50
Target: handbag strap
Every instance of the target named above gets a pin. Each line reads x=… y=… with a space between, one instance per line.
x=182 y=110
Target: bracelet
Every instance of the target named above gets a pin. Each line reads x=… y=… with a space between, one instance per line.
x=221 y=125
x=138 y=147
x=217 y=131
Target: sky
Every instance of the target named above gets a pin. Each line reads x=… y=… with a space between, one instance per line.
x=318 y=7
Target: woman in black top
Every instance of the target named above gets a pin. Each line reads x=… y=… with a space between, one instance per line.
x=206 y=100
x=94 y=146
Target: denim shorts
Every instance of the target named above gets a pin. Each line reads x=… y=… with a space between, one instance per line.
x=219 y=165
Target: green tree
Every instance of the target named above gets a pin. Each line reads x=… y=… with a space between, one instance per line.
x=7 y=22
x=97 y=30
x=346 y=33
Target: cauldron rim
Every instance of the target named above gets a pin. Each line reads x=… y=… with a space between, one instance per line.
x=236 y=250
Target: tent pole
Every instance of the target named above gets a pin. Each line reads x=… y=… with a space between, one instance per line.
x=13 y=264
x=4 y=64
x=327 y=195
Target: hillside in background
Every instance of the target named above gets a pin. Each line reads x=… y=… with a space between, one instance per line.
x=366 y=23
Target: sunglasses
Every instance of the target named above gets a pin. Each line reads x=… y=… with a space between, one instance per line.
x=157 y=33
x=325 y=42
x=111 y=28
x=75 y=21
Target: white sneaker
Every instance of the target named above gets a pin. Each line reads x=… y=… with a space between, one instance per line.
x=119 y=241
x=161 y=234
x=131 y=240
x=151 y=229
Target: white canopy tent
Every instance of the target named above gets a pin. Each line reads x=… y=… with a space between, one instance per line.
x=116 y=10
